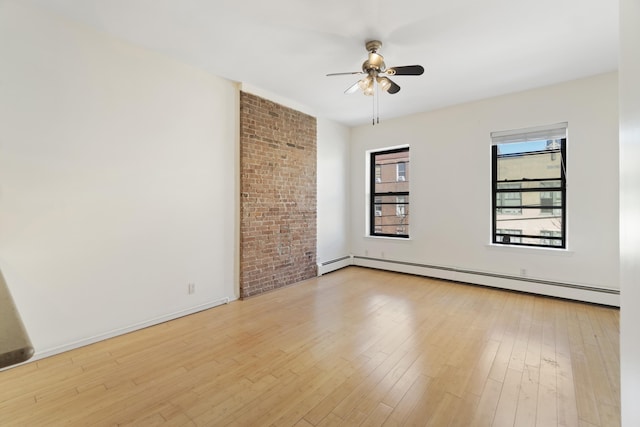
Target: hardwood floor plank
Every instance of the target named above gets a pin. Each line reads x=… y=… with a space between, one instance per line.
x=404 y=383
x=547 y=413
x=327 y=405
x=329 y=383
x=526 y=410
x=444 y=413
x=433 y=397
x=465 y=411
x=234 y=402
x=480 y=373
x=486 y=409
x=586 y=399
x=566 y=396
x=377 y=416
x=367 y=398
x=409 y=401
x=508 y=402
x=302 y=423
x=605 y=324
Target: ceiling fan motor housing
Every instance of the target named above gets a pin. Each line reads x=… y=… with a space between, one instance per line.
x=375 y=62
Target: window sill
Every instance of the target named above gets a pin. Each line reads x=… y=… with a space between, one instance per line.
x=530 y=250
x=395 y=239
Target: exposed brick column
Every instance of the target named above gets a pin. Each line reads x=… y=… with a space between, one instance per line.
x=278 y=195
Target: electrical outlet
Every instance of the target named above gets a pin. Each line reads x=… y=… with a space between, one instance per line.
x=191 y=288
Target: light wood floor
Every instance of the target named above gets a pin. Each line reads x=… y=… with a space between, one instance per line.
x=355 y=347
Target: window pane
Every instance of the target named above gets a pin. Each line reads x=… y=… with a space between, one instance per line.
x=394 y=213
x=529 y=186
x=529 y=160
x=529 y=166
x=532 y=223
x=392 y=172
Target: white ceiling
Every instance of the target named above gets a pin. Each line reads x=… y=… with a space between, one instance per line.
x=471 y=49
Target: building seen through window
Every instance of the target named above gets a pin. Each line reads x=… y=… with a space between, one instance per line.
x=390 y=174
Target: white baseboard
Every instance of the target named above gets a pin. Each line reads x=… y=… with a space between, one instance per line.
x=116 y=332
x=572 y=291
x=334 y=264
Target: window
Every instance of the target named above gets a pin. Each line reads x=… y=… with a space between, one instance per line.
x=389 y=202
x=400 y=205
x=529 y=186
x=401 y=171
x=378 y=206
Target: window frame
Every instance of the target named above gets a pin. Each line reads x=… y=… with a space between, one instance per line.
x=545 y=241
x=374 y=178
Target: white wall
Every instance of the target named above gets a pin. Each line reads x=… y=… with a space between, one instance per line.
x=451 y=191
x=630 y=210
x=333 y=192
x=117 y=184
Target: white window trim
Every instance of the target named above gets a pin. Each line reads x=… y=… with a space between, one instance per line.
x=532 y=134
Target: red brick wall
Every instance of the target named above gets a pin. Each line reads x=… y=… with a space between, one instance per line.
x=278 y=195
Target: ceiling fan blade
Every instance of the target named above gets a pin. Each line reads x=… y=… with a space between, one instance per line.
x=352 y=89
x=407 y=70
x=345 y=74
x=394 y=88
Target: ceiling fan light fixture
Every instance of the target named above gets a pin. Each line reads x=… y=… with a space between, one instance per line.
x=366 y=83
x=384 y=83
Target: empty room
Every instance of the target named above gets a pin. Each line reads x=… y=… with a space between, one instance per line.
x=337 y=213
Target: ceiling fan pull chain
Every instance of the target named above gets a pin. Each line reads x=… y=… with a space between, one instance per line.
x=373 y=106
x=377 y=103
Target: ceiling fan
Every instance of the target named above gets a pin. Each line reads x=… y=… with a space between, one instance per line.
x=377 y=73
